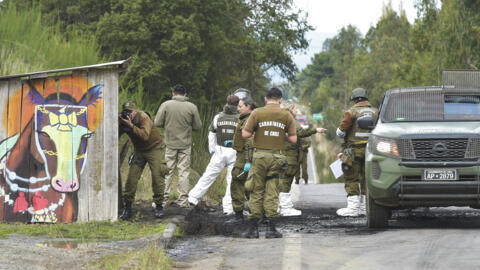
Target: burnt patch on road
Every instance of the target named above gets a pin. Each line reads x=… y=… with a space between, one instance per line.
x=207 y=222
x=324 y=220
x=321 y=221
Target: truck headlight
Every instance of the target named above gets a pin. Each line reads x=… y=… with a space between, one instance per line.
x=383 y=146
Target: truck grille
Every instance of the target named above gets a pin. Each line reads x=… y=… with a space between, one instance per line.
x=440 y=149
x=445 y=149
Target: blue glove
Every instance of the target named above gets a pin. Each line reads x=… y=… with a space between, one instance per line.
x=228 y=143
x=211 y=153
x=247 y=166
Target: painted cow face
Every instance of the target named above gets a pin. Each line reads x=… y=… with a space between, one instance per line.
x=62 y=134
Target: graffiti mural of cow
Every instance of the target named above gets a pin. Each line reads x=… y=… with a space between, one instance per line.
x=40 y=166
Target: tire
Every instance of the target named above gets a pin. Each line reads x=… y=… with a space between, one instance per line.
x=377 y=215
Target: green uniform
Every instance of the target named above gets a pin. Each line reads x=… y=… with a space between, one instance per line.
x=302 y=162
x=148 y=148
x=270 y=125
x=244 y=148
x=292 y=153
x=353 y=159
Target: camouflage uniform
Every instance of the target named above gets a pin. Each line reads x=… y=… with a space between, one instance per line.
x=292 y=154
x=305 y=143
x=270 y=125
x=244 y=148
x=353 y=159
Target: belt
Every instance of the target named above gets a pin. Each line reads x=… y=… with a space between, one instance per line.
x=273 y=151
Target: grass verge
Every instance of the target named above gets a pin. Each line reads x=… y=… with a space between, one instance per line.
x=152 y=257
x=84 y=231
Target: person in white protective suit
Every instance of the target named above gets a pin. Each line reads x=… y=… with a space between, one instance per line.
x=220 y=139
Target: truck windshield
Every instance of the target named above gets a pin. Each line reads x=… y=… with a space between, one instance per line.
x=431 y=106
x=462 y=107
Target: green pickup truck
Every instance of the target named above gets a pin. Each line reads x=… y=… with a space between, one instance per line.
x=424 y=150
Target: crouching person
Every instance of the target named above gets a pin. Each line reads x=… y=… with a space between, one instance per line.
x=148 y=149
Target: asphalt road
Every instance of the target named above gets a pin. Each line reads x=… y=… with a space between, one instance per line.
x=435 y=238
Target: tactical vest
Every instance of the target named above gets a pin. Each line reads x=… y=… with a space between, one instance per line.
x=226 y=124
x=271 y=129
x=356 y=112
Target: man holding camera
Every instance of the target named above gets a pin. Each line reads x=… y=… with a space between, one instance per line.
x=148 y=148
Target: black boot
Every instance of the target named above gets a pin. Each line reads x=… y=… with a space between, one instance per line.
x=236 y=219
x=127 y=211
x=252 y=229
x=271 y=230
x=159 y=211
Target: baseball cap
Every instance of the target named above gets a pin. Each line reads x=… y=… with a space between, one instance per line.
x=129 y=106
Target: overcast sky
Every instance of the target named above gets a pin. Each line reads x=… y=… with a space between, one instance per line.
x=329 y=16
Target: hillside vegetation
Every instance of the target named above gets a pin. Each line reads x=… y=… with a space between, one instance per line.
x=27 y=44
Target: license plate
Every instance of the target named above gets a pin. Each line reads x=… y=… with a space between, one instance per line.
x=440 y=174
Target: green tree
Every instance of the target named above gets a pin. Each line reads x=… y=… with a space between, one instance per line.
x=211 y=47
x=343 y=48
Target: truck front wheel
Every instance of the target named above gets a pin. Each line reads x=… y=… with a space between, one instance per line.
x=377 y=215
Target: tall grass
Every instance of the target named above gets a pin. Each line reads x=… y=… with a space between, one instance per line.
x=325 y=152
x=27 y=45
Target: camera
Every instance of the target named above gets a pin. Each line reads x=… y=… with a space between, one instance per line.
x=125 y=114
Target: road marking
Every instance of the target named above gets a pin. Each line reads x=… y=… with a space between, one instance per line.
x=292 y=252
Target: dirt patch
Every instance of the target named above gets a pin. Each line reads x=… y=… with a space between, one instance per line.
x=26 y=252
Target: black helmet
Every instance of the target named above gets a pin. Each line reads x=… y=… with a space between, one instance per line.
x=358 y=93
x=242 y=92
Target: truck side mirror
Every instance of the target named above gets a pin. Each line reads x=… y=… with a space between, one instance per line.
x=365 y=122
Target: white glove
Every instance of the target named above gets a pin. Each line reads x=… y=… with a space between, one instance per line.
x=340 y=133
